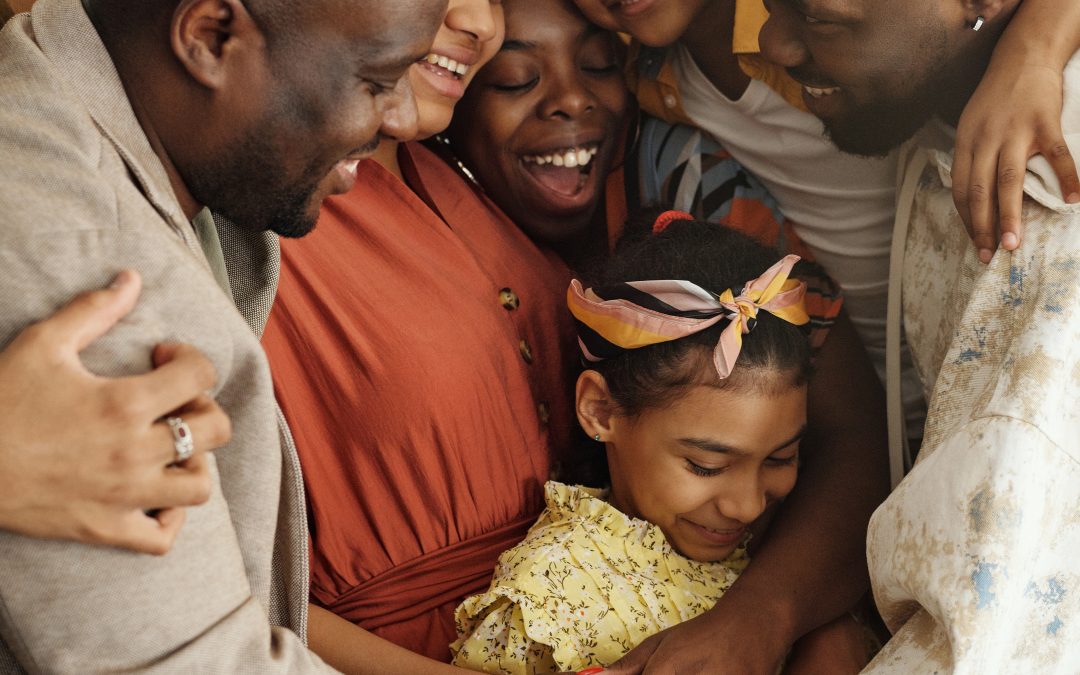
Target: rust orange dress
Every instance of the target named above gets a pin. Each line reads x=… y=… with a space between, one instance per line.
x=423 y=356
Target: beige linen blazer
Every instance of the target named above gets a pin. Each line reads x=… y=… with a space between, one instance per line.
x=83 y=195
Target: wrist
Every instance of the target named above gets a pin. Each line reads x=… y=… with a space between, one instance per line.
x=771 y=613
x=1052 y=50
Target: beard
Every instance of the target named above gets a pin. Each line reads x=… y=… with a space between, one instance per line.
x=249 y=182
x=874 y=129
x=897 y=108
x=248 y=185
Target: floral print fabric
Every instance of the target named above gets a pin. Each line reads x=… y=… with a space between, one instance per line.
x=587 y=584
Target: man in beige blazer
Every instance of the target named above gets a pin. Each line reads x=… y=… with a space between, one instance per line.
x=119 y=122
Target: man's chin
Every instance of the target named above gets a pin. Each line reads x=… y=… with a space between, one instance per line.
x=873 y=141
x=285 y=222
x=296 y=227
x=876 y=132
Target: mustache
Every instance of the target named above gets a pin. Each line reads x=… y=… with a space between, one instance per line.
x=810 y=79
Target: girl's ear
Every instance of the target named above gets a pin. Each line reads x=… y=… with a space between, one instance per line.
x=595 y=408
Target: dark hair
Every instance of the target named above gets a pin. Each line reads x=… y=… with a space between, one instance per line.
x=775 y=354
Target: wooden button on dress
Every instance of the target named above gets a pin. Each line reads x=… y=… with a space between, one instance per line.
x=526 y=351
x=508 y=299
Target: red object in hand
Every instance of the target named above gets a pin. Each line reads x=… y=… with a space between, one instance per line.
x=595 y=669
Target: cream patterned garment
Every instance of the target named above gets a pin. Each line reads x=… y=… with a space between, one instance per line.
x=975 y=558
x=586 y=585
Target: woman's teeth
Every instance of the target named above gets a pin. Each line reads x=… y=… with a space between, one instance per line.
x=818 y=93
x=569 y=158
x=447 y=63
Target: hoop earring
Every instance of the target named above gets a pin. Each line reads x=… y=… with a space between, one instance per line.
x=979 y=21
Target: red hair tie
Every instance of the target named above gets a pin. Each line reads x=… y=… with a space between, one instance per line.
x=668 y=217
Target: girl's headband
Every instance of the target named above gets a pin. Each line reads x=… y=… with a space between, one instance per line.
x=612 y=319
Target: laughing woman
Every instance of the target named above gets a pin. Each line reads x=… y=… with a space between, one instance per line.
x=420 y=350
x=541 y=99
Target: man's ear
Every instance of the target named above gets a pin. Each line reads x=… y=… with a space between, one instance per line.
x=595 y=408
x=207 y=34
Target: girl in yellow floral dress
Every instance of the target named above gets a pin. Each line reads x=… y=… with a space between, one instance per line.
x=697 y=345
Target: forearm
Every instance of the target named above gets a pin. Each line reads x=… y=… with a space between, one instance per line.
x=811 y=566
x=355 y=651
x=1042 y=32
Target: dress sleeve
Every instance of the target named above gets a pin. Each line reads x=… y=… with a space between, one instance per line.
x=495 y=641
x=973 y=557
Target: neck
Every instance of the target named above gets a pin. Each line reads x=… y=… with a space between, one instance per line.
x=386 y=155
x=141 y=75
x=710 y=39
x=589 y=244
x=968 y=65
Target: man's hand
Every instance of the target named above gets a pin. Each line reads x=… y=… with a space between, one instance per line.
x=716 y=642
x=88 y=458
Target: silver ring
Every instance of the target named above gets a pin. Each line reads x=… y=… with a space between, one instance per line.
x=182 y=440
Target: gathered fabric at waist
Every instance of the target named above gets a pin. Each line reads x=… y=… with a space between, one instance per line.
x=430 y=581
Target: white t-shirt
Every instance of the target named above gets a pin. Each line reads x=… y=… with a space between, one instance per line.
x=842 y=206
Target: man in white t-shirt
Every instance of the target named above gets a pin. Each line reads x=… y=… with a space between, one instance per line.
x=973 y=557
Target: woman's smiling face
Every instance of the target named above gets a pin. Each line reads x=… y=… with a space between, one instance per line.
x=469 y=36
x=540 y=125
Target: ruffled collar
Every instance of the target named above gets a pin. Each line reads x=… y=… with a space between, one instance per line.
x=577 y=502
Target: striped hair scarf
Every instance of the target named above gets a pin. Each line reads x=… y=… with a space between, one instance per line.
x=612 y=319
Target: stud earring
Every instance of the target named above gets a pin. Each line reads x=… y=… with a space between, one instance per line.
x=979 y=21
x=596 y=438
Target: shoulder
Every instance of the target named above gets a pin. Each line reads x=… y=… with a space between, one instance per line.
x=52 y=149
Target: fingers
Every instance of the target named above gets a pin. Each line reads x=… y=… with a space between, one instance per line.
x=143 y=533
x=90 y=315
x=1057 y=151
x=209 y=425
x=636 y=660
x=981 y=201
x=961 y=176
x=1012 y=167
x=184 y=375
x=186 y=484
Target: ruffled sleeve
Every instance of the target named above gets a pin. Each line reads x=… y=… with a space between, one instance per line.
x=586 y=585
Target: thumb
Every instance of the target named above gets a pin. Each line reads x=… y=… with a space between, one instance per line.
x=90 y=315
x=634 y=662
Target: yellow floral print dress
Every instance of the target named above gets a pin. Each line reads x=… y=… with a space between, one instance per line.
x=586 y=585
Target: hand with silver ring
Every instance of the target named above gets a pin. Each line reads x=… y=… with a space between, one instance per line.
x=93 y=459
x=182 y=441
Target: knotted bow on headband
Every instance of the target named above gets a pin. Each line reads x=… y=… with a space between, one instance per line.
x=636 y=314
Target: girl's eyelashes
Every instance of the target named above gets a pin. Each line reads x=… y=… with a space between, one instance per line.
x=699 y=470
x=783 y=461
x=607 y=69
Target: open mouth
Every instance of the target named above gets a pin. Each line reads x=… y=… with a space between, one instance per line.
x=624 y=5
x=564 y=171
x=820 y=92
x=444 y=65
